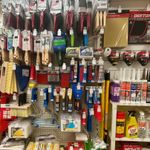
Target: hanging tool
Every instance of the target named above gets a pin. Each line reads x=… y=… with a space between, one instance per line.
x=77 y=94
x=11 y=19
x=63 y=98
x=3 y=46
x=37 y=46
x=65 y=74
x=57 y=99
x=73 y=70
x=27 y=45
x=85 y=37
x=84 y=117
x=69 y=100
x=17 y=44
x=46 y=100
x=56 y=9
x=107 y=87
x=20 y=16
x=59 y=45
x=22 y=75
x=82 y=71
x=69 y=18
x=10 y=45
x=44 y=15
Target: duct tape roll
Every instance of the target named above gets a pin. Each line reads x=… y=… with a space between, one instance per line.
x=107 y=51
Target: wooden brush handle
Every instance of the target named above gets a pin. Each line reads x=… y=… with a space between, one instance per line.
x=16 y=53
x=101 y=18
x=46 y=59
x=38 y=62
x=11 y=56
x=97 y=21
x=104 y=18
x=43 y=56
x=27 y=58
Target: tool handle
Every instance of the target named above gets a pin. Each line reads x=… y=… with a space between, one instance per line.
x=38 y=58
x=72 y=40
x=89 y=122
x=46 y=57
x=85 y=40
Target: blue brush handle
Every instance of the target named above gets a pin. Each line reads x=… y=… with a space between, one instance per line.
x=85 y=40
x=89 y=122
x=34 y=95
x=45 y=91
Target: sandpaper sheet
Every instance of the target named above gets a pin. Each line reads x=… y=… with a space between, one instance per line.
x=116 y=31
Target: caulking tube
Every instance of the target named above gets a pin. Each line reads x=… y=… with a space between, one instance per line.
x=138 y=86
x=128 y=87
x=122 y=85
x=133 y=87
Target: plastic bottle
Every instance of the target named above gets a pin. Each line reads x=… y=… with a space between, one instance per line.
x=142 y=125
x=148 y=125
x=131 y=126
x=115 y=91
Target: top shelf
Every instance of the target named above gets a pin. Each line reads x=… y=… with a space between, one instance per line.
x=130 y=104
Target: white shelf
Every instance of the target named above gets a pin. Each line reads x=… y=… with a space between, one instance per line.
x=130 y=104
x=133 y=139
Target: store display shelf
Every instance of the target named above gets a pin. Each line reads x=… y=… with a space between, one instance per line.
x=131 y=104
x=133 y=139
x=15 y=106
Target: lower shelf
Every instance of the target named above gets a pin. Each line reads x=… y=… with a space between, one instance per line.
x=133 y=139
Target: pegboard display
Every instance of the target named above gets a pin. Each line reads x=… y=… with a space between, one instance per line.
x=72 y=64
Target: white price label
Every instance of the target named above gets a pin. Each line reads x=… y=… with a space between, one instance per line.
x=14 y=66
x=91 y=112
x=41 y=92
x=102 y=4
x=50 y=89
x=29 y=92
x=37 y=67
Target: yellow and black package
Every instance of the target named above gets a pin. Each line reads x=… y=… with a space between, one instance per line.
x=139 y=27
x=116 y=31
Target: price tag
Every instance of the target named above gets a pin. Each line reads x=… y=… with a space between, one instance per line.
x=102 y=4
x=41 y=92
x=102 y=31
x=50 y=89
x=29 y=91
x=91 y=112
x=15 y=41
x=14 y=97
x=37 y=67
x=14 y=66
